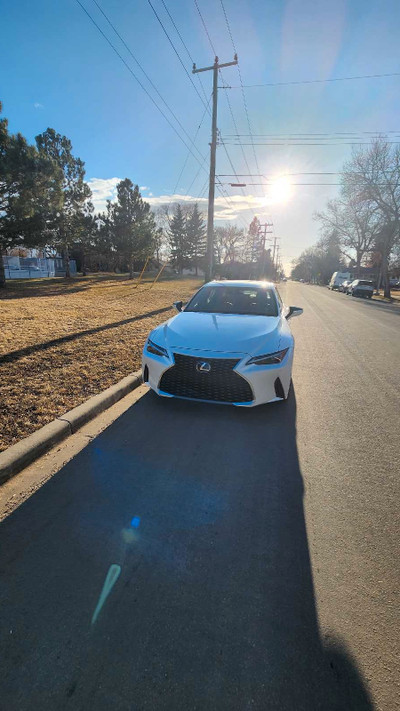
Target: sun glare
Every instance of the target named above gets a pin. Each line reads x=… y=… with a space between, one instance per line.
x=280 y=190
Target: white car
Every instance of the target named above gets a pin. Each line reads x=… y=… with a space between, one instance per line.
x=230 y=344
x=360 y=287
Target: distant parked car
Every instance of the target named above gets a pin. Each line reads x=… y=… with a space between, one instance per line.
x=394 y=284
x=359 y=287
x=344 y=286
x=337 y=279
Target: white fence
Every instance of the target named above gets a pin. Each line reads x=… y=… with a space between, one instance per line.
x=35 y=267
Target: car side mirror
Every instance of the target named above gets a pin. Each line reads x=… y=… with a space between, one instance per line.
x=178 y=305
x=293 y=311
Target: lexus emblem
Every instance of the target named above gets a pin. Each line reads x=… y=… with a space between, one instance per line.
x=203 y=367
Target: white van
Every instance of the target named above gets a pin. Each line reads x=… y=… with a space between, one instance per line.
x=337 y=279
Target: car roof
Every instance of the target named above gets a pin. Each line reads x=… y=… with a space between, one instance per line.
x=241 y=282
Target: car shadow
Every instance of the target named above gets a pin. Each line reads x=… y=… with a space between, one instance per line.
x=167 y=566
x=12 y=356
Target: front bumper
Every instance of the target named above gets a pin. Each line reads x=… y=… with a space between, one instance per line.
x=267 y=383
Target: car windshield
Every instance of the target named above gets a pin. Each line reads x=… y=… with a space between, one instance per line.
x=365 y=283
x=248 y=300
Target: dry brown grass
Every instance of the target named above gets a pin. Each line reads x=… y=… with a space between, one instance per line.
x=394 y=299
x=43 y=384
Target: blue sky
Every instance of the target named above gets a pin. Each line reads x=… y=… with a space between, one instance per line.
x=58 y=71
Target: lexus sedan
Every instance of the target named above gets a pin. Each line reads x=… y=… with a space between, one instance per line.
x=230 y=344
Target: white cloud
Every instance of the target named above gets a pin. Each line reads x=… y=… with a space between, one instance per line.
x=228 y=209
x=103 y=189
x=225 y=209
x=37 y=105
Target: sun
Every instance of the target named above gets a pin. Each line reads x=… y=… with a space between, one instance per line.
x=280 y=190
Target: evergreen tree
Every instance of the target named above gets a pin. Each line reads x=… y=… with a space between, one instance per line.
x=75 y=192
x=132 y=223
x=177 y=236
x=30 y=193
x=196 y=237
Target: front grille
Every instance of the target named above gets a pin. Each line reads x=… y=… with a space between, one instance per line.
x=220 y=384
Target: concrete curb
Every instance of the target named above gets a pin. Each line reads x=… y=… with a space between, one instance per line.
x=17 y=457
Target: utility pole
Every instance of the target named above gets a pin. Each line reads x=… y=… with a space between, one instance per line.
x=278 y=261
x=273 y=256
x=264 y=235
x=213 y=151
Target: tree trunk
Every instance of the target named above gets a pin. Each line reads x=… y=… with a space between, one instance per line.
x=358 y=264
x=2 y=272
x=66 y=259
x=131 y=268
x=385 y=275
x=378 y=281
x=83 y=264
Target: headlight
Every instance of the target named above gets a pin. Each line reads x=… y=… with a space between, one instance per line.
x=268 y=359
x=157 y=350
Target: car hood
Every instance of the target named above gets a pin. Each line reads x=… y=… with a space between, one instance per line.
x=224 y=333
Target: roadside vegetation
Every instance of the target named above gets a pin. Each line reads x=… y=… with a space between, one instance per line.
x=41 y=381
x=46 y=210
x=361 y=228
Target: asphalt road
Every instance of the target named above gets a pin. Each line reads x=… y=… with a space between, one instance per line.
x=206 y=557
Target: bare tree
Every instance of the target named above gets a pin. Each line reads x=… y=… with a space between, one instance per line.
x=229 y=243
x=372 y=177
x=356 y=222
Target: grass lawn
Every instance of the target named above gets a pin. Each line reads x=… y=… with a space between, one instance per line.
x=40 y=381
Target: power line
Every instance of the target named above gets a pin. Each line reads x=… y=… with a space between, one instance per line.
x=235 y=126
x=185 y=46
x=312 y=136
x=343 y=143
x=225 y=196
x=177 y=53
x=144 y=72
x=269 y=185
x=314 y=81
x=130 y=70
x=149 y=95
x=192 y=60
x=205 y=28
x=188 y=153
x=201 y=167
x=241 y=84
x=280 y=175
x=215 y=53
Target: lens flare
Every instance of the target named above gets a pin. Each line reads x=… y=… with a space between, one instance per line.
x=280 y=190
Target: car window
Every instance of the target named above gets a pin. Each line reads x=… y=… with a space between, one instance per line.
x=279 y=299
x=234 y=300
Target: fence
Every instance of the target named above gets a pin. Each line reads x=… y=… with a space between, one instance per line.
x=35 y=267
